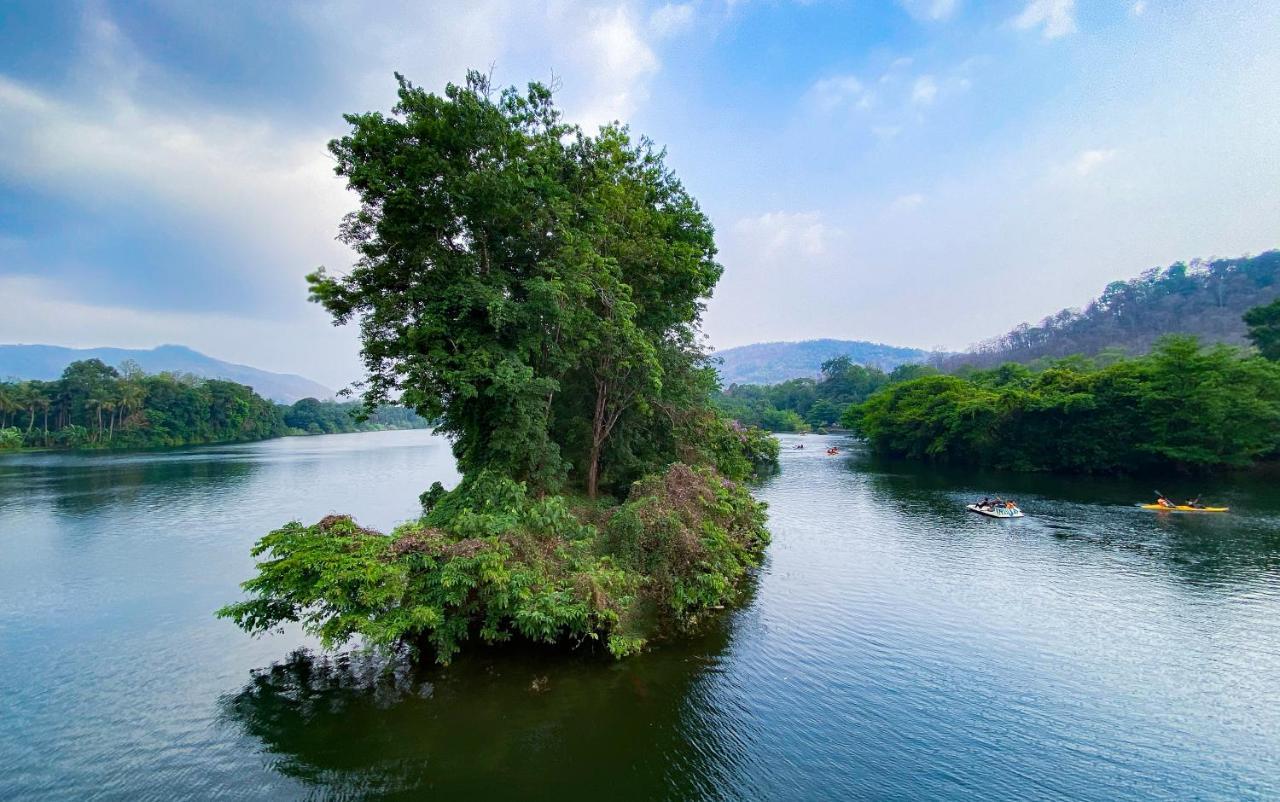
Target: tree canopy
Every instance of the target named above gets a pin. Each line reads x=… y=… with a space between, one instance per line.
x=537 y=291
x=1264 y=329
x=534 y=289
x=1184 y=406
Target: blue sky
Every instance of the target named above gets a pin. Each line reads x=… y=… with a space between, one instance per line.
x=922 y=172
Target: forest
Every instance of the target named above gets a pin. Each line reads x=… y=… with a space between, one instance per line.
x=94 y=405
x=801 y=405
x=1184 y=407
x=1206 y=299
x=537 y=291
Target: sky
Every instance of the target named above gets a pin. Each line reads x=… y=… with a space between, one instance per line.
x=926 y=173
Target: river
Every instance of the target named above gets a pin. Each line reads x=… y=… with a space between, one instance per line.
x=893 y=646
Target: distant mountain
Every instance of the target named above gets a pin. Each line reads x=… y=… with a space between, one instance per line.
x=1204 y=298
x=46 y=362
x=770 y=363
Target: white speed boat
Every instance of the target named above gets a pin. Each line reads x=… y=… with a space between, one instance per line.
x=996 y=512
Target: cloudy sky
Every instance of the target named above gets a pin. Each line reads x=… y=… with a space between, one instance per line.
x=926 y=172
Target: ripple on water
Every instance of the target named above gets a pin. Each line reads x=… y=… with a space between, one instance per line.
x=893 y=646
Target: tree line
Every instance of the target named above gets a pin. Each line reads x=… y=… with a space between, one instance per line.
x=94 y=405
x=801 y=405
x=1184 y=406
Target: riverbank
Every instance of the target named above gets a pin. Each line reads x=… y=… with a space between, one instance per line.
x=120 y=447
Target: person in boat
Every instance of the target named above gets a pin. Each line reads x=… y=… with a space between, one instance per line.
x=1164 y=502
x=1009 y=505
x=985 y=504
x=1194 y=503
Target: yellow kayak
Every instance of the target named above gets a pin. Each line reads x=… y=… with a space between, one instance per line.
x=1182 y=508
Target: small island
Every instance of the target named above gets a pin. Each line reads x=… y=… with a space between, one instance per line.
x=538 y=292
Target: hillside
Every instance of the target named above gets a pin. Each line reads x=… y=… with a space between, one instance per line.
x=1204 y=298
x=770 y=363
x=46 y=362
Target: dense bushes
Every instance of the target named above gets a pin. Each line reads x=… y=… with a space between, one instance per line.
x=490 y=562
x=1183 y=406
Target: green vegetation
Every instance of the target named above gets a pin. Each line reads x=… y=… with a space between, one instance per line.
x=1204 y=298
x=1264 y=329
x=537 y=291
x=311 y=416
x=491 y=562
x=800 y=404
x=1183 y=407
x=97 y=406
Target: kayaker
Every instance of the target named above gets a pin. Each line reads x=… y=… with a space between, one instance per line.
x=1194 y=503
x=1164 y=502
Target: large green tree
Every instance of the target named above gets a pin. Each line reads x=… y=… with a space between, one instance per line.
x=535 y=289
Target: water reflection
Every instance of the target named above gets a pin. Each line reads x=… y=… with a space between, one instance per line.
x=499 y=722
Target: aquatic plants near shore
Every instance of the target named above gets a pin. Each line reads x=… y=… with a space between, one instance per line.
x=490 y=562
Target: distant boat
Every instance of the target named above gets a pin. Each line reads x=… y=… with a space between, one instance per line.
x=1182 y=508
x=996 y=512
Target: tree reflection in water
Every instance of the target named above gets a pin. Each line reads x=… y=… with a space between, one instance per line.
x=499 y=722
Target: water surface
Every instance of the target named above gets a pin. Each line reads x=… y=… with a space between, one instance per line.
x=892 y=647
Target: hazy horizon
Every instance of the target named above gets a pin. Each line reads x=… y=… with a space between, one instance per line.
x=923 y=174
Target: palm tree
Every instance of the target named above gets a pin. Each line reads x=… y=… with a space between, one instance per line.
x=95 y=402
x=6 y=403
x=110 y=405
x=132 y=396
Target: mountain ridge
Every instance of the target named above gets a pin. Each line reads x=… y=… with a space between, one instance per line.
x=773 y=362
x=46 y=362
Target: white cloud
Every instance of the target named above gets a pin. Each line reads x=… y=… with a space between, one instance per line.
x=930 y=10
x=671 y=19
x=829 y=94
x=1139 y=8
x=238 y=179
x=924 y=90
x=620 y=62
x=785 y=234
x=1088 y=162
x=1054 y=17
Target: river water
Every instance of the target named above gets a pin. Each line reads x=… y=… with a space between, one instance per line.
x=892 y=647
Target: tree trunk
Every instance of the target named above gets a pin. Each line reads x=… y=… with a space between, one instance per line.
x=598 y=434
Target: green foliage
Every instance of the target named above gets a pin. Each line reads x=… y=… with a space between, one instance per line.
x=1205 y=299
x=10 y=437
x=491 y=562
x=537 y=292
x=312 y=416
x=1264 y=329
x=798 y=405
x=533 y=289
x=1183 y=406
x=94 y=406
